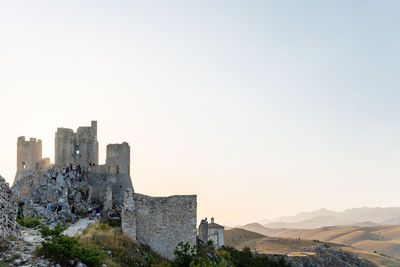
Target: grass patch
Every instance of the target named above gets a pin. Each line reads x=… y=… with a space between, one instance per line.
x=112 y=222
x=4 y=245
x=9 y=261
x=12 y=238
x=29 y=222
x=118 y=248
x=62 y=248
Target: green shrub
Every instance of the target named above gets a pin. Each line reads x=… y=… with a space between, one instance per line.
x=56 y=231
x=102 y=227
x=185 y=255
x=112 y=222
x=246 y=258
x=30 y=222
x=206 y=256
x=124 y=251
x=63 y=248
x=12 y=238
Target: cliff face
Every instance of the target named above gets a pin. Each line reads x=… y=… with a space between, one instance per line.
x=8 y=212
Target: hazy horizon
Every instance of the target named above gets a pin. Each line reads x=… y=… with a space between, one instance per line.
x=263 y=109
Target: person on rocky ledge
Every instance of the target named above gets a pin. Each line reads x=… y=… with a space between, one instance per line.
x=73 y=213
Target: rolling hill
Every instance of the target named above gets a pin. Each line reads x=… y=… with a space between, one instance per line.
x=324 y=217
x=299 y=248
x=384 y=239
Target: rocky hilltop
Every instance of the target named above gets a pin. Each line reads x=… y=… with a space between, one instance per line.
x=8 y=212
x=40 y=193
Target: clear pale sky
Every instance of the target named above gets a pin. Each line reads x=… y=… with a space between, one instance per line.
x=261 y=108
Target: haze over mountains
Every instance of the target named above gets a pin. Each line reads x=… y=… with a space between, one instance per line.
x=325 y=217
x=370 y=229
x=362 y=247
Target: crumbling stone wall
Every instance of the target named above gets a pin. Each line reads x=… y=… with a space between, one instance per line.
x=29 y=153
x=161 y=222
x=8 y=212
x=81 y=147
x=128 y=215
x=100 y=178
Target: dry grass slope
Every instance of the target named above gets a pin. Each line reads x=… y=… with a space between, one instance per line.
x=384 y=239
x=240 y=238
x=296 y=247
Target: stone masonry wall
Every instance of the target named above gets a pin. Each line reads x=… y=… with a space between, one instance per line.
x=29 y=153
x=163 y=222
x=81 y=147
x=128 y=216
x=8 y=212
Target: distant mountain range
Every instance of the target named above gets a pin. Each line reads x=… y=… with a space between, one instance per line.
x=382 y=238
x=371 y=229
x=325 y=217
x=368 y=243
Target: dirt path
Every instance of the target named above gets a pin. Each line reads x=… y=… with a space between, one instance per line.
x=78 y=227
x=21 y=252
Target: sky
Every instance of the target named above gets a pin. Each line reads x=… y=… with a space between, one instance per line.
x=260 y=108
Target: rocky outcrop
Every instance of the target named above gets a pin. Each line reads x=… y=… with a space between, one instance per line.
x=25 y=183
x=53 y=186
x=325 y=257
x=8 y=212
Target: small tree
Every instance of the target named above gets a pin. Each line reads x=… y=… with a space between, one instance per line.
x=185 y=255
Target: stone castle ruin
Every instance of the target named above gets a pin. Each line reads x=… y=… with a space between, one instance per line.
x=81 y=147
x=77 y=178
x=78 y=149
x=160 y=222
x=29 y=155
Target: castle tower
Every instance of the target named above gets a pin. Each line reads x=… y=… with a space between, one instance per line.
x=118 y=158
x=86 y=149
x=118 y=169
x=29 y=154
x=81 y=147
x=64 y=146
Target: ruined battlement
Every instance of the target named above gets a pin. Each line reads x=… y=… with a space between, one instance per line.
x=29 y=153
x=81 y=147
x=22 y=140
x=160 y=222
x=118 y=158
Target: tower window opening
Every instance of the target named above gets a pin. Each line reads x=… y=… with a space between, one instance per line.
x=117 y=169
x=23 y=165
x=77 y=150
